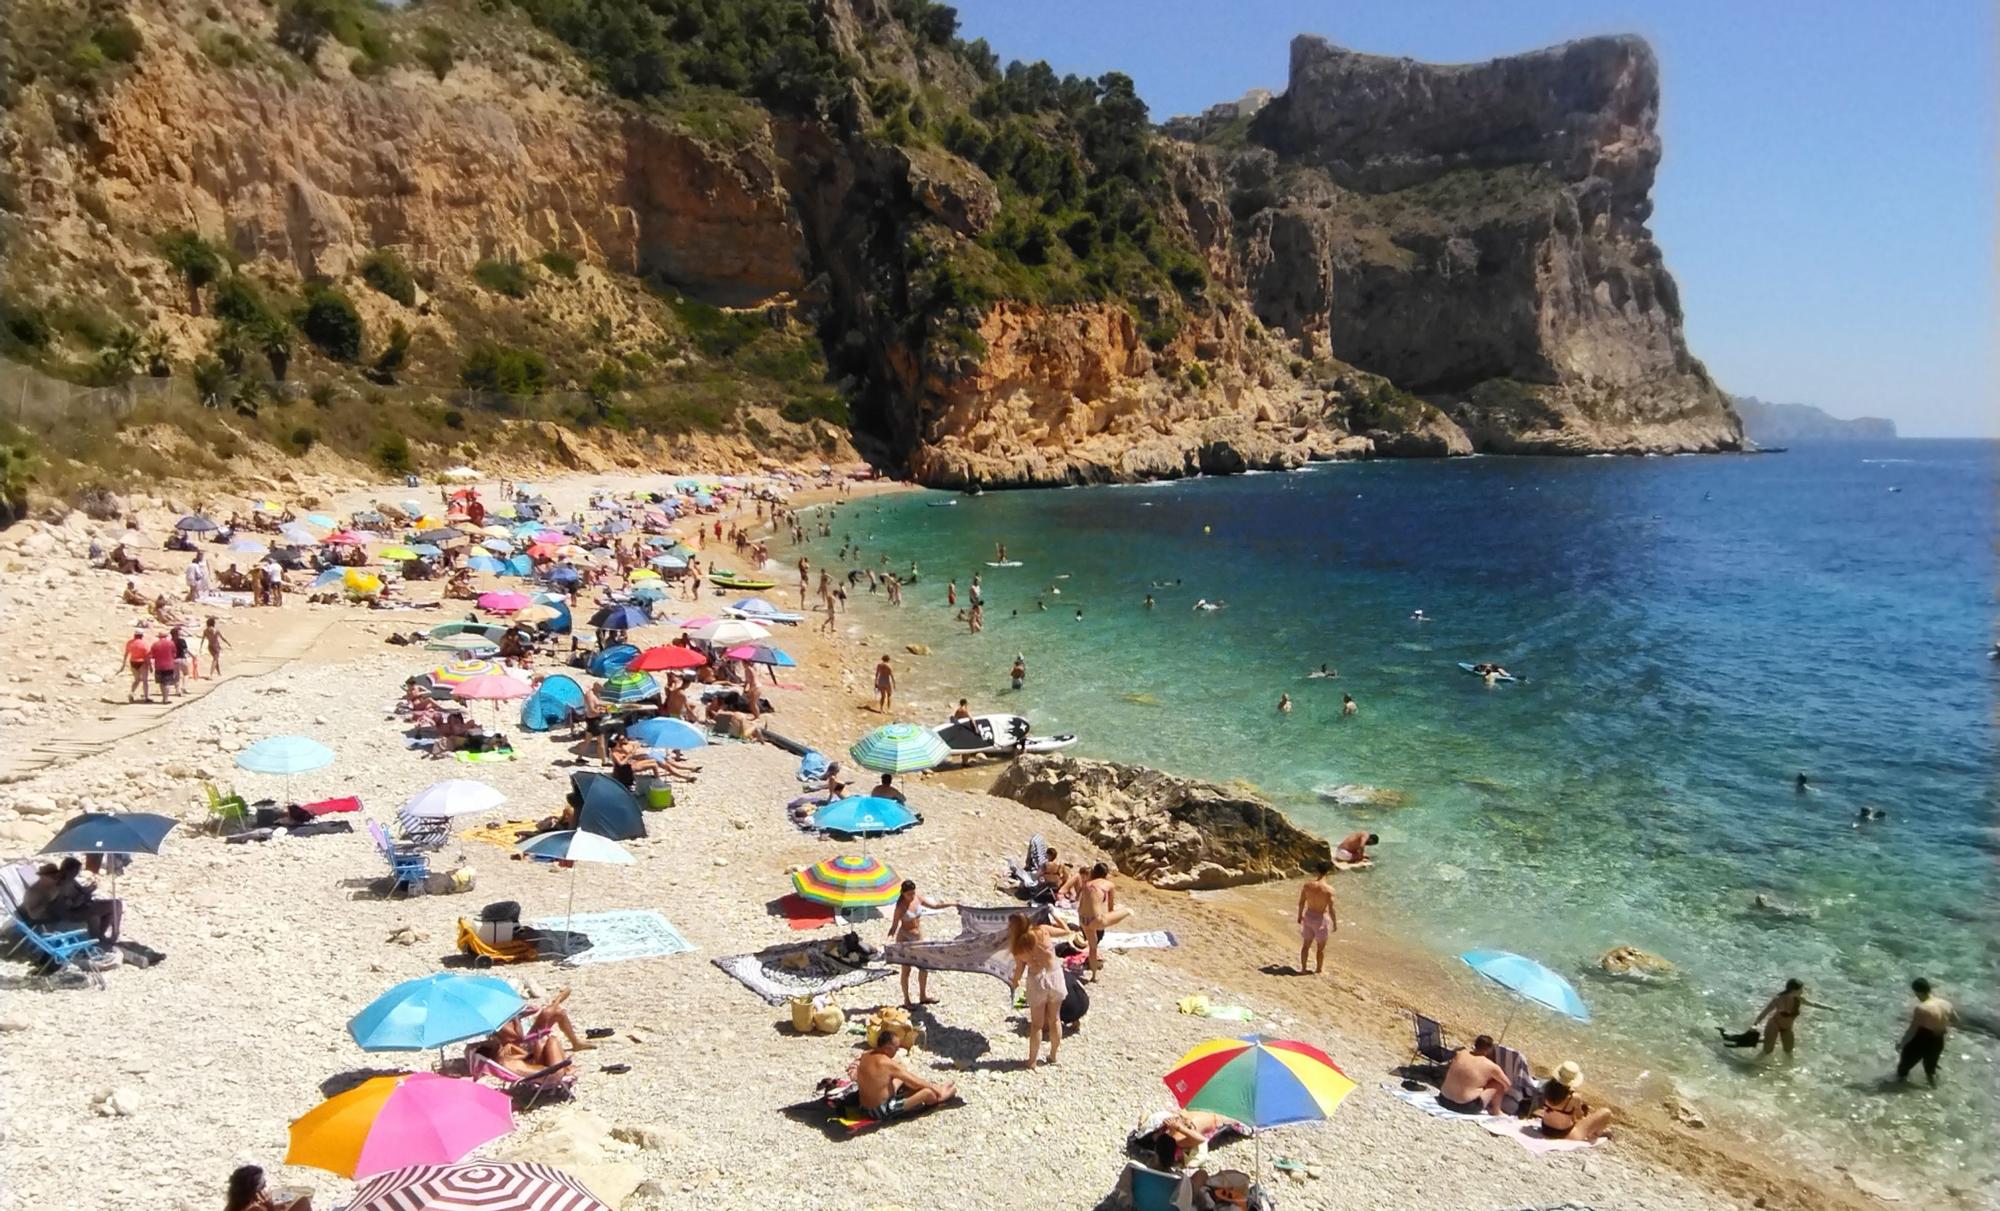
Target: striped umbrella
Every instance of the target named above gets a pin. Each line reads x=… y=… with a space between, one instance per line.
x=458 y=672
x=849 y=881
x=1259 y=1082
x=475 y=1186
x=899 y=748
x=628 y=686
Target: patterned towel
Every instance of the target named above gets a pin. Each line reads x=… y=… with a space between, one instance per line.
x=635 y=933
x=797 y=969
x=1152 y=939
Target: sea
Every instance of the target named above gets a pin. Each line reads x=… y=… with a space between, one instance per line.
x=1690 y=634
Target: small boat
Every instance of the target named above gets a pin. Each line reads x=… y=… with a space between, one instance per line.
x=1003 y=563
x=1472 y=668
x=729 y=580
x=998 y=736
x=944 y=504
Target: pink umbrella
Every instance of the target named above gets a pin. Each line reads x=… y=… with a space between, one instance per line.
x=553 y=536
x=693 y=624
x=350 y=537
x=504 y=603
x=491 y=687
x=396 y=1121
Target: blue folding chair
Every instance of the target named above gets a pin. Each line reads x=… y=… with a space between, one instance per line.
x=61 y=950
x=407 y=870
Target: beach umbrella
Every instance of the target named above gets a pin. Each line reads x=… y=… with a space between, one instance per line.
x=671 y=563
x=394 y=1122
x=628 y=685
x=427 y=549
x=539 y=612
x=361 y=583
x=666 y=733
x=286 y=755
x=458 y=672
x=849 y=881
x=611 y=660
x=1526 y=978
x=572 y=846
x=494 y=687
x=899 y=748
x=452 y=797
x=557 y=537
x=349 y=538
x=504 y=603
x=112 y=833
x=433 y=1011
x=865 y=816
x=649 y=593
x=322 y=520
x=438 y=534
x=729 y=632
x=1259 y=1082
x=298 y=535
x=694 y=624
x=329 y=576
x=497 y=544
x=248 y=546
x=485 y=563
x=475 y=1186
x=762 y=653
x=564 y=575
x=666 y=658
x=397 y=554
x=756 y=606
x=621 y=618
x=195 y=523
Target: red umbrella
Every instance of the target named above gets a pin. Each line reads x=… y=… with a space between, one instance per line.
x=666 y=658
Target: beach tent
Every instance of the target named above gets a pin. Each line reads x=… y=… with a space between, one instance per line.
x=556 y=701
x=519 y=565
x=606 y=807
x=612 y=660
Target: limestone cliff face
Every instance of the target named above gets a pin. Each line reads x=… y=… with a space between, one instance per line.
x=1476 y=234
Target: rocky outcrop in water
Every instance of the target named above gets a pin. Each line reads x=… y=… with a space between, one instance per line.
x=1175 y=833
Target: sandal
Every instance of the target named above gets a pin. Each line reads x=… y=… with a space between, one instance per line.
x=615 y=1069
x=599 y=1032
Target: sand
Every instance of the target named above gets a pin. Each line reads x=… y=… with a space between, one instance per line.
x=272 y=947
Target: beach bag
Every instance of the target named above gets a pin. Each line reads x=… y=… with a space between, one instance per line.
x=659 y=798
x=802 y=1014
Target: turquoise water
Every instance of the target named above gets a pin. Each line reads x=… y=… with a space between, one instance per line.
x=1694 y=631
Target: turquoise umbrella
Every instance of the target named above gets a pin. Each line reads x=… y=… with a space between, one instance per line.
x=865 y=816
x=437 y=1009
x=1526 y=978
x=285 y=755
x=899 y=748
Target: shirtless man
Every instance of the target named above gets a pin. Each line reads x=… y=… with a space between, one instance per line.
x=888 y=1088
x=1783 y=1010
x=1097 y=910
x=1317 y=920
x=1473 y=1083
x=1353 y=848
x=1348 y=706
x=1923 y=1040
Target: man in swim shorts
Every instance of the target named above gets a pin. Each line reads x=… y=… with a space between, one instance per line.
x=1317 y=920
x=888 y=1088
x=1353 y=848
x=1473 y=1083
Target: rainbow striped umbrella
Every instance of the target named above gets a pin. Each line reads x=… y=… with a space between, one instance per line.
x=476 y=1186
x=899 y=748
x=849 y=881
x=1259 y=1082
x=458 y=672
x=628 y=686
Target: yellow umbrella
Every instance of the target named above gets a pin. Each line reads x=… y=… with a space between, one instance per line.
x=643 y=574
x=395 y=553
x=362 y=583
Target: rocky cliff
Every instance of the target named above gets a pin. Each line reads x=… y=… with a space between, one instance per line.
x=994 y=278
x=1476 y=234
x=1770 y=424
x=1176 y=833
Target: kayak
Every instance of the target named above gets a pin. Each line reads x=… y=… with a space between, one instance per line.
x=730 y=580
x=998 y=736
x=1004 y=563
x=1468 y=667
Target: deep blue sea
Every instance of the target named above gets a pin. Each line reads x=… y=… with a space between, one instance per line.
x=1693 y=633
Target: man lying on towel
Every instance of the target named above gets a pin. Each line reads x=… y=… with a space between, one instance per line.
x=889 y=1089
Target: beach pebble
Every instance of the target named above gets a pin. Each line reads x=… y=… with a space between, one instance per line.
x=35 y=805
x=12 y=1024
x=122 y=1102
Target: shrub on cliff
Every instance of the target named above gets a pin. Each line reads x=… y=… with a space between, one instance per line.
x=304 y=24
x=387 y=275
x=559 y=262
x=504 y=369
x=331 y=323
x=195 y=259
x=502 y=277
x=392 y=453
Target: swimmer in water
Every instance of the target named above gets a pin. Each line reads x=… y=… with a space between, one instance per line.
x=1419 y=616
x=1801 y=784
x=1284 y=704
x=1079 y=615
x=1323 y=671
x=1348 y=706
x=1149 y=601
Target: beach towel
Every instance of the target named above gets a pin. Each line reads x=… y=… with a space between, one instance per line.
x=801 y=913
x=503 y=754
x=1198 y=1006
x=347 y=803
x=981 y=945
x=1151 y=939
x=1426 y=1100
x=614 y=937
x=1528 y=1134
x=797 y=969
x=504 y=833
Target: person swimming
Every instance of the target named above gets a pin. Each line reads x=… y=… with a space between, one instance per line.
x=1322 y=671
x=1419 y=616
x=1149 y=601
x=1205 y=604
x=1284 y=704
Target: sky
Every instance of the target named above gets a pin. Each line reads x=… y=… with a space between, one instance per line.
x=1827 y=196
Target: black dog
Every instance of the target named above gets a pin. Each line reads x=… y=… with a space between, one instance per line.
x=1744 y=1038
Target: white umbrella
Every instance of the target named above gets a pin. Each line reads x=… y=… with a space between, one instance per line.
x=575 y=845
x=729 y=632
x=453 y=797
x=461 y=473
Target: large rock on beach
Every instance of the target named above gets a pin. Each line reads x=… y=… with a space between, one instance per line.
x=1176 y=833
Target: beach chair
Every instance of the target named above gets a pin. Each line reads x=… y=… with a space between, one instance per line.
x=1143 y=1189
x=407 y=870
x=486 y=954
x=422 y=832
x=223 y=809
x=556 y=1081
x=1520 y=1078
x=53 y=951
x=1429 y=1043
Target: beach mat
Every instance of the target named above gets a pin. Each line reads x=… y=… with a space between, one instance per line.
x=1527 y=1133
x=504 y=833
x=1152 y=939
x=614 y=937
x=801 y=913
x=796 y=969
x=841 y=1124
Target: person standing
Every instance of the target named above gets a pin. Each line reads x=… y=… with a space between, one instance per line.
x=1783 y=1011
x=1348 y=706
x=976 y=620
x=198 y=579
x=951 y=593
x=1317 y=919
x=885 y=686
x=1097 y=911
x=906 y=926
x=974 y=593
x=1931 y=1019
x=1019 y=673
x=139 y=656
x=1033 y=948
x=166 y=664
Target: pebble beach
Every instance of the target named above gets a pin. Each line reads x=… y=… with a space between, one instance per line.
x=150 y=1091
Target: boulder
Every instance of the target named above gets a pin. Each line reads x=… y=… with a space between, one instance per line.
x=1176 y=833
x=581 y=1144
x=1631 y=961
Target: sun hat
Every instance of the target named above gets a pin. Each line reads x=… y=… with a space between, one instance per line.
x=1569 y=1075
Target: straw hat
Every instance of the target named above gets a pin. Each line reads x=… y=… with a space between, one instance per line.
x=1570 y=1075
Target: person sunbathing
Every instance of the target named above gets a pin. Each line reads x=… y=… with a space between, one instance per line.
x=673 y=766
x=132 y=596
x=533 y=1056
x=1178 y=1134
x=551 y=1015
x=248 y=1192
x=888 y=1088
x=163 y=611
x=1564 y=1115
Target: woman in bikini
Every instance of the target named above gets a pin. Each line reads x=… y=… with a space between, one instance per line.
x=907 y=926
x=1034 y=951
x=1564 y=1115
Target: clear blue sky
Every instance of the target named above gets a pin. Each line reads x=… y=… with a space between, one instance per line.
x=1827 y=197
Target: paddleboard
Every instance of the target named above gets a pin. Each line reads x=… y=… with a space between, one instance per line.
x=1467 y=666
x=1005 y=563
x=994 y=735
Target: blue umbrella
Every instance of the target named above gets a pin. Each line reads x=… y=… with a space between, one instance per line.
x=427 y=548
x=106 y=833
x=671 y=563
x=612 y=660
x=285 y=755
x=666 y=733
x=649 y=594
x=1526 y=978
x=485 y=563
x=756 y=606
x=498 y=544
x=621 y=618
x=865 y=815
x=329 y=576
x=564 y=574
x=437 y=1009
